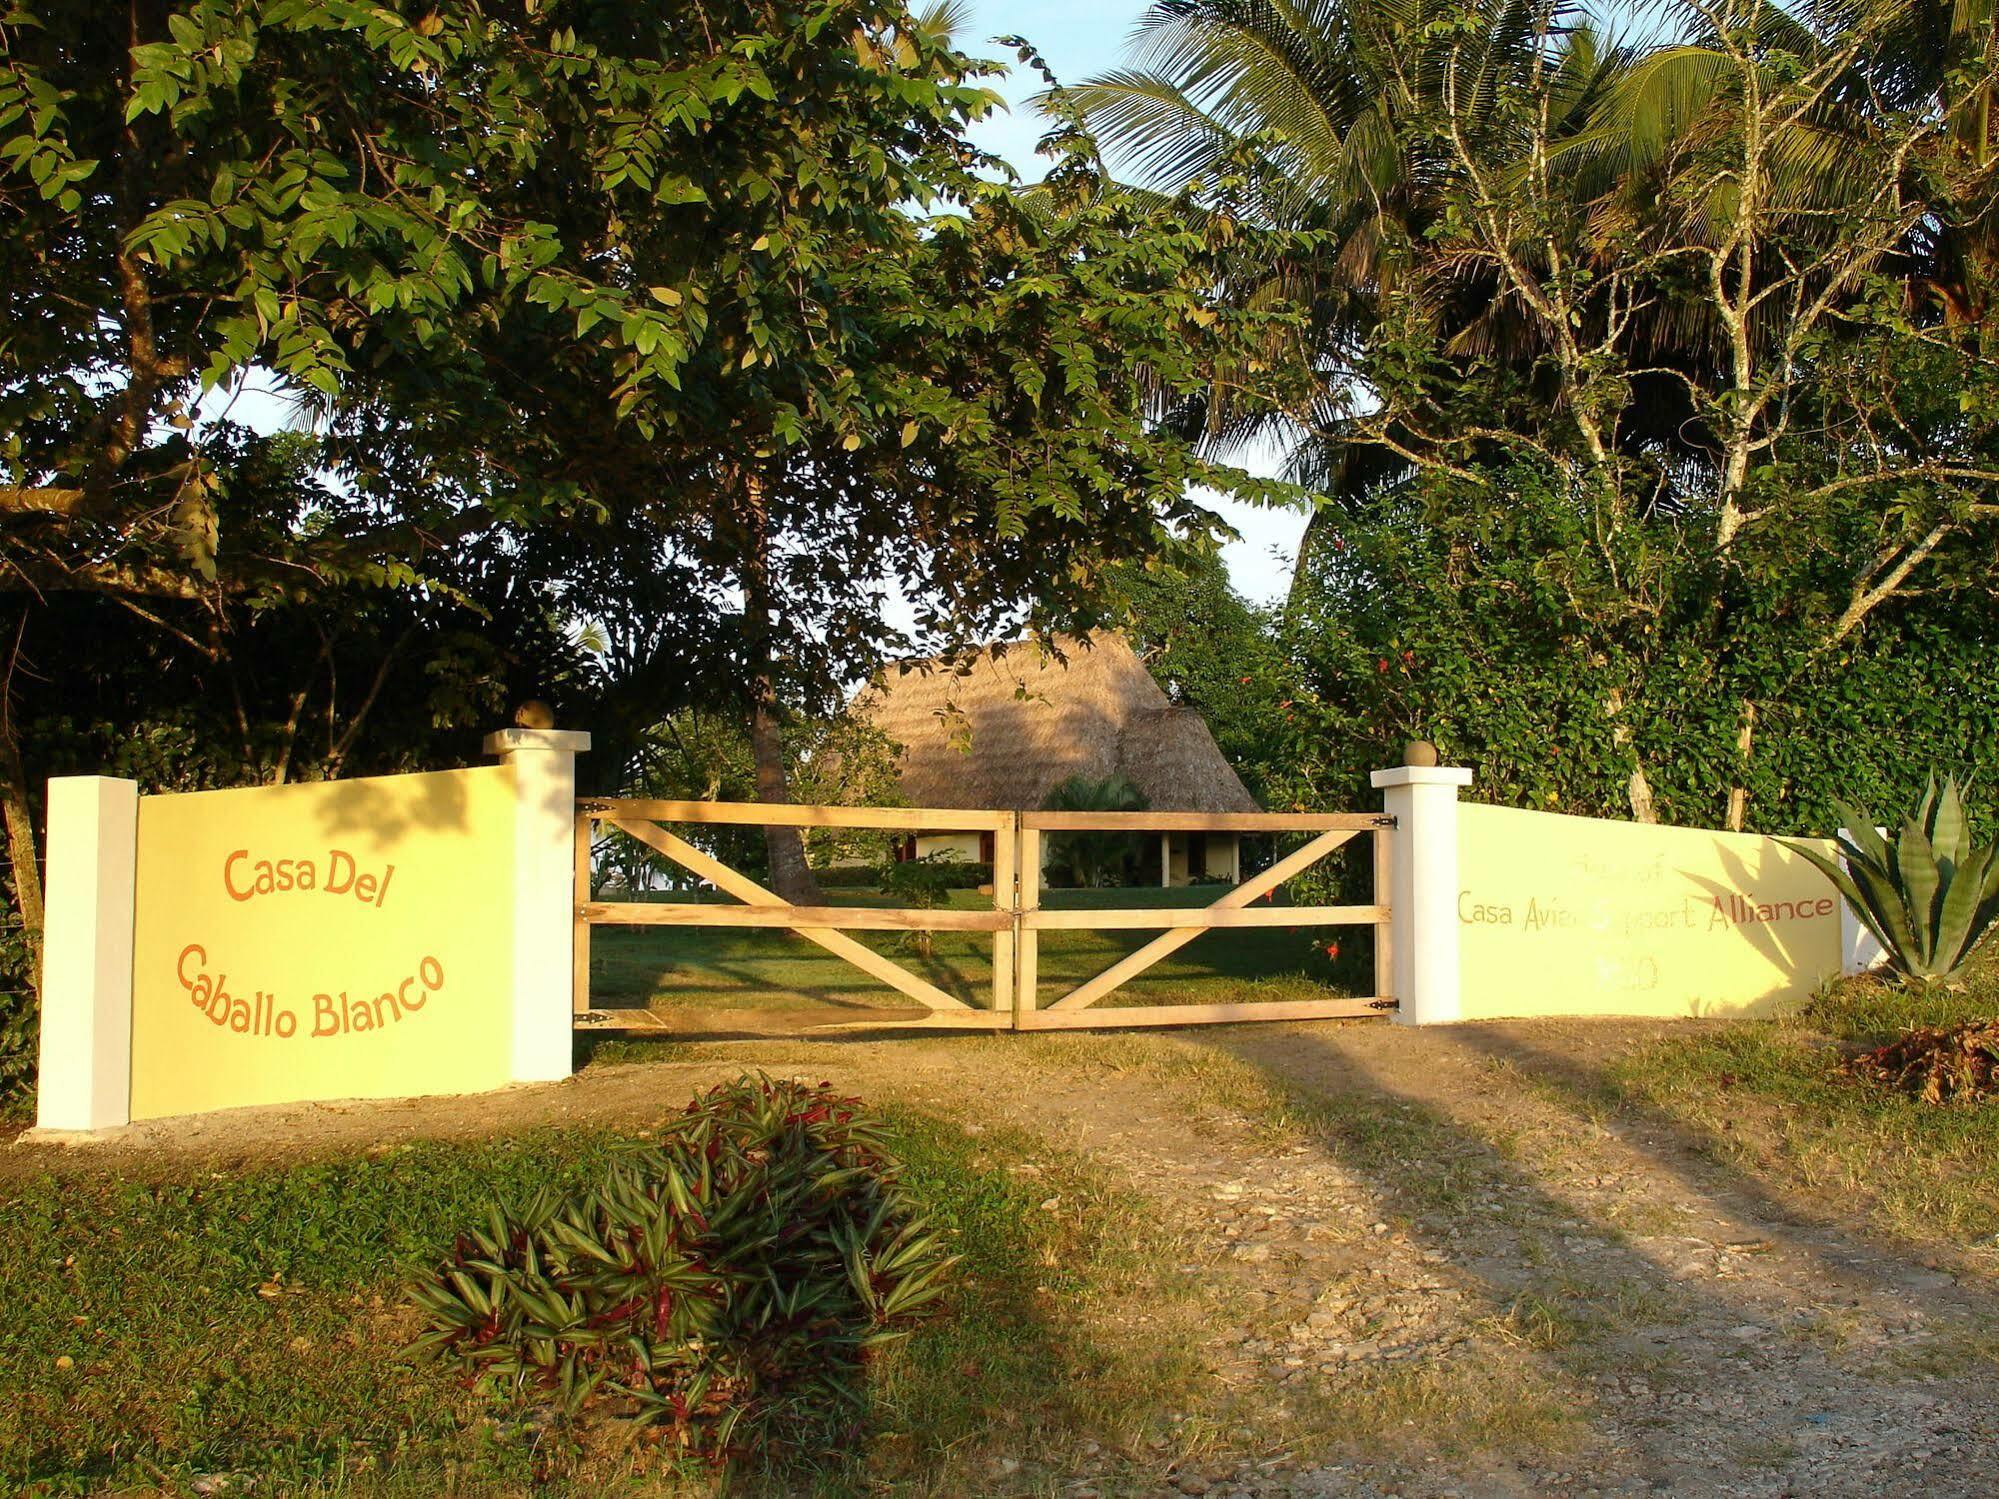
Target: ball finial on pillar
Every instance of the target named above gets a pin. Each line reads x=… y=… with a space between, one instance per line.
x=1419 y=752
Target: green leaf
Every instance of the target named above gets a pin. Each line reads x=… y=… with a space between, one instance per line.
x=1916 y=869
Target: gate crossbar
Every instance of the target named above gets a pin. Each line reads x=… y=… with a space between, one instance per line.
x=772 y=908
x=1016 y=919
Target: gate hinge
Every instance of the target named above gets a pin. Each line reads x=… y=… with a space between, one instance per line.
x=1385 y=820
x=1384 y=1004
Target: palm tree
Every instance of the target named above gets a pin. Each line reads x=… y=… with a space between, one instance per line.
x=1092 y=857
x=1361 y=122
x=1322 y=116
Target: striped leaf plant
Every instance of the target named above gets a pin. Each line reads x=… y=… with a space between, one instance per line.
x=1929 y=892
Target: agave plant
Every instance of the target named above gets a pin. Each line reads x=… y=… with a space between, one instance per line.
x=1929 y=893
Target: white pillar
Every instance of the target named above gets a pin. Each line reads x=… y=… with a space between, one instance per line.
x=86 y=1025
x=544 y=765
x=1859 y=950
x=1423 y=901
x=1165 y=860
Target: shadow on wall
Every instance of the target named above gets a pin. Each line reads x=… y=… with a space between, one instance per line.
x=386 y=809
x=1809 y=954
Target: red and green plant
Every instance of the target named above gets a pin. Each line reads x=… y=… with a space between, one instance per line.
x=1937 y=1064
x=728 y=1282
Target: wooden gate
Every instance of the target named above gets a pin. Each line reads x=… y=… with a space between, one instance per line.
x=1016 y=920
x=1236 y=908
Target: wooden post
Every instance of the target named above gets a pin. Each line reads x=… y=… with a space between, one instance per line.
x=1006 y=897
x=1027 y=897
x=579 y=988
x=1384 y=931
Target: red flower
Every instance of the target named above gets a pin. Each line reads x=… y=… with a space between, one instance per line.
x=1381 y=665
x=1332 y=949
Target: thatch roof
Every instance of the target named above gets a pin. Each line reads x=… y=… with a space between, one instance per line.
x=1006 y=730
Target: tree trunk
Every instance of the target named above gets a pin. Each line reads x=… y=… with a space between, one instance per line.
x=790 y=875
x=21 y=843
x=1301 y=566
x=1638 y=791
x=1738 y=795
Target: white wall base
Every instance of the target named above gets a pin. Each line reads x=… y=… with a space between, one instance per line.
x=86 y=1025
x=544 y=766
x=1423 y=899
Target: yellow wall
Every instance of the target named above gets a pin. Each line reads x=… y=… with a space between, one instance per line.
x=341 y=939
x=1575 y=916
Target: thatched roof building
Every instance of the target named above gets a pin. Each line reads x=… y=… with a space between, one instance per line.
x=1018 y=722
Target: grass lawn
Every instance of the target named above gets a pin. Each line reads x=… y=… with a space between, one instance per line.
x=662 y=968
x=167 y=1332
x=1770 y=1096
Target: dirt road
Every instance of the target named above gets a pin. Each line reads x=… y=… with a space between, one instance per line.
x=1430 y=1262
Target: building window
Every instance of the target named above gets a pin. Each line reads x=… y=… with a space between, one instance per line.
x=986 y=846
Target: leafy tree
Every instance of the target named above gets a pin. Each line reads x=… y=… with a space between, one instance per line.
x=1326 y=118
x=1698 y=310
x=697 y=755
x=1504 y=635
x=697 y=325
x=1211 y=651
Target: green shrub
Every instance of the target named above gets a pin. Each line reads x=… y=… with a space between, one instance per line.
x=928 y=881
x=848 y=876
x=1089 y=858
x=959 y=874
x=728 y=1282
x=1929 y=894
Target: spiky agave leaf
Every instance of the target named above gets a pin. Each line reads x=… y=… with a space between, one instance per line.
x=1867 y=891
x=1930 y=894
x=1920 y=880
x=1948 y=828
x=1958 y=909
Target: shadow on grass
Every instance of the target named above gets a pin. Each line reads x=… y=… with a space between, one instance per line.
x=162 y=1334
x=1579 y=1293
x=1712 y=1165
x=1019 y=1367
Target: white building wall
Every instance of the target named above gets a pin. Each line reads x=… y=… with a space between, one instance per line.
x=959 y=845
